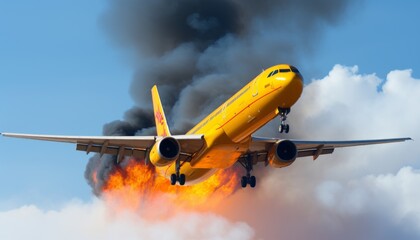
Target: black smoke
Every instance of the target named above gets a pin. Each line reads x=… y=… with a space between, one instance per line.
x=200 y=52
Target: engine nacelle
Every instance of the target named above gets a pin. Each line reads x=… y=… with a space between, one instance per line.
x=164 y=152
x=282 y=154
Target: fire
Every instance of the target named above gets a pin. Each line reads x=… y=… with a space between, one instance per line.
x=132 y=185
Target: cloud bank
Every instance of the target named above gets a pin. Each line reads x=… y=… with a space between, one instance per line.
x=97 y=220
x=358 y=193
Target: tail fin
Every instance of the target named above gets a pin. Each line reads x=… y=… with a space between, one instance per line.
x=162 y=128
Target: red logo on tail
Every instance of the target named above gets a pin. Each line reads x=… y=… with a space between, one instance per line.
x=159 y=117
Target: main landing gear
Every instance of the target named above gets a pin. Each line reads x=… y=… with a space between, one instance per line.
x=283 y=116
x=248 y=178
x=177 y=177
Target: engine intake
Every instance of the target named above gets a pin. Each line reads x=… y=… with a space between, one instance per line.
x=164 y=152
x=282 y=154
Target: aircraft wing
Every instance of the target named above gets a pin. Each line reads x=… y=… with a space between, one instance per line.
x=316 y=148
x=136 y=146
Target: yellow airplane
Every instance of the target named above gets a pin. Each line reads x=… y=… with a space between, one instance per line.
x=223 y=137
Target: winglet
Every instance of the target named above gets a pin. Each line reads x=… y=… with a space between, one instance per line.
x=162 y=128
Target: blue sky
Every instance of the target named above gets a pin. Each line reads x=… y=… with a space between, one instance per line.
x=60 y=74
x=378 y=36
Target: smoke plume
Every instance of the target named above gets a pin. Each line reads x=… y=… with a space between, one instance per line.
x=200 y=52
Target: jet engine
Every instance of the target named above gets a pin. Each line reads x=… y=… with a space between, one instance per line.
x=282 y=154
x=164 y=152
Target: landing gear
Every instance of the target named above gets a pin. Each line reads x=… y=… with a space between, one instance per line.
x=283 y=117
x=177 y=177
x=284 y=128
x=248 y=178
x=251 y=180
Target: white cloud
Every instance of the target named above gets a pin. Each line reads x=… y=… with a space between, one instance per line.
x=348 y=105
x=391 y=199
x=97 y=220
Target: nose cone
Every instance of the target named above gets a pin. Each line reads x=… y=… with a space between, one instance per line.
x=297 y=82
x=291 y=91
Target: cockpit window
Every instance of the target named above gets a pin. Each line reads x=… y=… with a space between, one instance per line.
x=295 y=70
x=283 y=70
x=275 y=72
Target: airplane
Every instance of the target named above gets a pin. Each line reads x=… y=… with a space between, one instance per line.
x=223 y=138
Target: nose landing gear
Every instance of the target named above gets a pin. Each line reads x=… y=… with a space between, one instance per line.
x=284 y=127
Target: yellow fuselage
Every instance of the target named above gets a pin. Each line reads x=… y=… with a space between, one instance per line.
x=227 y=130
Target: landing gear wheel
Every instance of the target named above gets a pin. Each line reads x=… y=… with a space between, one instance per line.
x=284 y=128
x=244 y=181
x=181 y=179
x=173 y=179
x=283 y=116
x=252 y=181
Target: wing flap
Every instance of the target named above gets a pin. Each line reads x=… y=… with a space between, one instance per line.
x=314 y=152
x=112 y=150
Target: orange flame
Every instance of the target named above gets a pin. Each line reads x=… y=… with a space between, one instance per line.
x=130 y=186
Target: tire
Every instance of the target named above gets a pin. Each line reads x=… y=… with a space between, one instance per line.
x=244 y=182
x=181 y=179
x=173 y=179
x=252 y=181
x=281 y=128
x=287 y=128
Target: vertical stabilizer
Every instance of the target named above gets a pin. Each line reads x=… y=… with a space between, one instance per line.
x=162 y=128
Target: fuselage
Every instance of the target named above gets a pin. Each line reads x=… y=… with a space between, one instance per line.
x=227 y=130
